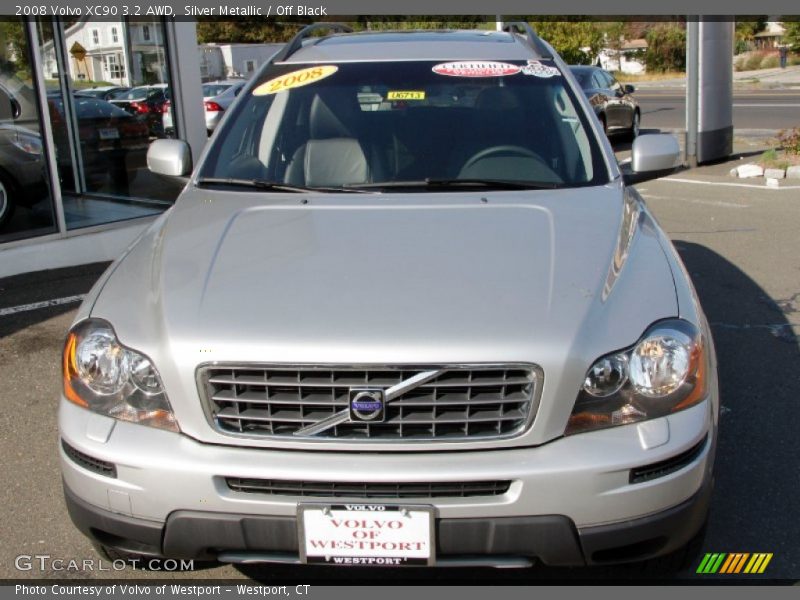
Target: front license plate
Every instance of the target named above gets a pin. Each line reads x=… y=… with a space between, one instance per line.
x=366 y=535
x=108 y=133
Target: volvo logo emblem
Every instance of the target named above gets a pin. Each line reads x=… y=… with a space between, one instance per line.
x=367 y=405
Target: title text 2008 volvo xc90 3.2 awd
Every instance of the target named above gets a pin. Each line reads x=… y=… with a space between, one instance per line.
x=406 y=311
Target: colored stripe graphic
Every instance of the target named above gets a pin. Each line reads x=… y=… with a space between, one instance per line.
x=711 y=563
x=734 y=563
x=758 y=563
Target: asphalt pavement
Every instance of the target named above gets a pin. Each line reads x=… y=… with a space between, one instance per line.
x=740 y=246
x=755 y=112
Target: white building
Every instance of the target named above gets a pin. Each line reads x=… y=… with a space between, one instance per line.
x=110 y=51
x=629 y=59
x=220 y=61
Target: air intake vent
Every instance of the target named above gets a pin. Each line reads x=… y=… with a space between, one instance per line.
x=90 y=463
x=327 y=489
x=665 y=467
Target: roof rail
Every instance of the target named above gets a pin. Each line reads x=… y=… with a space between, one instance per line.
x=534 y=40
x=297 y=41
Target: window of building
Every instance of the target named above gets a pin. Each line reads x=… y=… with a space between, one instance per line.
x=146 y=33
x=26 y=204
x=112 y=63
x=101 y=132
x=96 y=37
x=250 y=66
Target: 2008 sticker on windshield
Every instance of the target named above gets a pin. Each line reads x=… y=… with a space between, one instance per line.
x=295 y=79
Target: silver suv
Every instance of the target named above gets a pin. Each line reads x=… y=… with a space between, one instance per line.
x=407 y=310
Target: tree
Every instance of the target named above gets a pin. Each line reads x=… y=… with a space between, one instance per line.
x=13 y=46
x=792 y=35
x=578 y=42
x=666 y=48
x=746 y=31
x=614 y=33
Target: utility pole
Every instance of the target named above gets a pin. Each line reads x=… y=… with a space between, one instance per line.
x=709 y=90
x=692 y=86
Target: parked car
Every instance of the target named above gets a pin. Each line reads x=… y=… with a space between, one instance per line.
x=113 y=142
x=439 y=330
x=23 y=179
x=147 y=101
x=106 y=92
x=217 y=97
x=613 y=103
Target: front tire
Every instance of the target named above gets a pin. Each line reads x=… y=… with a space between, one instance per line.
x=636 y=124
x=6 y=202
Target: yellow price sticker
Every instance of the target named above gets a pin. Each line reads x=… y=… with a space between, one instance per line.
x=295 y=79
x=406 y=95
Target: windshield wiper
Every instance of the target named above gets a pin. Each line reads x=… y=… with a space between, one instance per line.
x=502 y=184
x=266 y=185
x=261 y=184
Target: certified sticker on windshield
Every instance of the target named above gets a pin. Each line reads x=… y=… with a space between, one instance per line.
x=476 y=68
x=295 y=79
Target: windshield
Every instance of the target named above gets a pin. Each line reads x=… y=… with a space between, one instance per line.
x=214 y=89
x=139 y=93
x=370 y=124
x=584 y=77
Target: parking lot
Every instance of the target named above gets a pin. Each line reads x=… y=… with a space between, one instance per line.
x=740 y=244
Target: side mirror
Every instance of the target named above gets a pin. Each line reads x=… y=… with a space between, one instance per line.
x=653 y=156
x=16 y=108
x=172 y=158
x=628 y=88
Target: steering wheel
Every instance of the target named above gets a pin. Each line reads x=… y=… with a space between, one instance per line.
x=513 y=150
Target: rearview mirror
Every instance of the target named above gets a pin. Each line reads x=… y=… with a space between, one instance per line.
x=629 y=89
x=172 y=158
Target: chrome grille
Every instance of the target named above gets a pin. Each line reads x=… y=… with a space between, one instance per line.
x=337 y=489
x=475 y=402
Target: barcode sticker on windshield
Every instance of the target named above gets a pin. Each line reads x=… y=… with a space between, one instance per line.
x=406 y=95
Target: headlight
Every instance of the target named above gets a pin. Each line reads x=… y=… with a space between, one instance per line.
x=30 y=144
x=108 y=378
x=663 y=373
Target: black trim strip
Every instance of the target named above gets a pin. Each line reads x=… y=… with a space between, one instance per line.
x=670 y=465
x=89 y=463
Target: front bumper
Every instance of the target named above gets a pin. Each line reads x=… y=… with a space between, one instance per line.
x=553 y=539
x=571 y=501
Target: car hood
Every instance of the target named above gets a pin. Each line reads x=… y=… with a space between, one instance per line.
x=391 y=278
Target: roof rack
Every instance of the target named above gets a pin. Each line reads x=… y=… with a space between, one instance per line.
x=297 y=41
x=534 y=40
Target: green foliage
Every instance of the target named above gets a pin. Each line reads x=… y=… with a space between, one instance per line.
x=248 y=30
x=790 y=140
x=747 y=30
x=569 y=38
x=770 y=62
x=792 y=35
x=13 y=47
x=666 y=48
x=243 y=30
x=578 y=42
